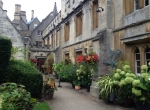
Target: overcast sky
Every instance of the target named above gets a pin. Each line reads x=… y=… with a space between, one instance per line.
x=41 y=7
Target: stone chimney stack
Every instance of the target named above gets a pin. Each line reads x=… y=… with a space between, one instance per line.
x=17 y=12
x=23 y=15
x=32 y=14
x=1 y=4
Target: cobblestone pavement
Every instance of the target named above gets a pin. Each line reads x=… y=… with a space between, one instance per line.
x=67 y=98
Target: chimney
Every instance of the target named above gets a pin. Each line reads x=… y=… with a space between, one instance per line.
x=1 y=4
x=32 y=14
x=17 y=12
x=23 y=15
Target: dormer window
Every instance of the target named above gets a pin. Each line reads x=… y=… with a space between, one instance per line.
x=35 y=25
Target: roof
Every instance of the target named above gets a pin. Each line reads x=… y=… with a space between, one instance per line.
x=43 y=21
x=25 y=33
x=32 y=20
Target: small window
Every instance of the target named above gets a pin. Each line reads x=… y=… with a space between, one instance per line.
x=79 y=23
x=147 y=2
x=147 y=56
x=137 y=62
x=39 y=32
x=35 y=25
x=136 y=4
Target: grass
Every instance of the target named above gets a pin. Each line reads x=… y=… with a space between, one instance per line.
x=41 y=106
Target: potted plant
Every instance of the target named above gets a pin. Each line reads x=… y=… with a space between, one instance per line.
x=105 y=88
x=122 y=83
x=49 y=87
x=77 y=84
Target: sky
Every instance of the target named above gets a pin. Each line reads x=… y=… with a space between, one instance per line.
x=41 y=8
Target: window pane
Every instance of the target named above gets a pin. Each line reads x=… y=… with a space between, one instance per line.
x=148 y=50
x=138 y=70
x=138 y=63
x=137 y=56
x=147 y=55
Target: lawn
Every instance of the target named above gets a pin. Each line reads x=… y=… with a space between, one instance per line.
x=41 y=106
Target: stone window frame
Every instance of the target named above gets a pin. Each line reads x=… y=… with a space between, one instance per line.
x=142 y=48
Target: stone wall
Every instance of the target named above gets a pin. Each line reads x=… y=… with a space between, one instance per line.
x=7 y=30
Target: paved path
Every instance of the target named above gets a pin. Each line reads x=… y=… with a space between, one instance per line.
x=67 y=98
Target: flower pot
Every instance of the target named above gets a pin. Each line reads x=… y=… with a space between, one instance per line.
x=77 y=87
x=142 y=106
x=112 y=96
x=48 y=96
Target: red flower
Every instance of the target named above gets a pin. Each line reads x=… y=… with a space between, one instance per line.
x=80 y=58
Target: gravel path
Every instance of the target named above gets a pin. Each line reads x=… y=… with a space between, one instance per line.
x=67 y=98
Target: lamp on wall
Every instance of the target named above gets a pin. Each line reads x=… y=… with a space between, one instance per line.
x=100 y=9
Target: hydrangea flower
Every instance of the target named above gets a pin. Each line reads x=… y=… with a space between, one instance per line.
x=118 y=70
x=129 y=80
x=144 y=67
x=116 y=76
x=122 y=72
x=135 y=82
x=144 y=75
x=126 y=67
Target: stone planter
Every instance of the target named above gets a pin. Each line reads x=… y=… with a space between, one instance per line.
x=48 y=96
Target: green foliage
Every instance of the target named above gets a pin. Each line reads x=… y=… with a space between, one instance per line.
x=16 y=50
x=24 y=73
x=76 y=82
x=84 y=73
x=105 y=86
x=14 y=97
x=41 y=106
x=5 y=52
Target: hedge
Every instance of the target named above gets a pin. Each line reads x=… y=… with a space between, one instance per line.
x=5 y=52
x=24 y=73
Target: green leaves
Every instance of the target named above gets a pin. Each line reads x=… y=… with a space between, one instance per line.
x=14 y=97
x=23 y=73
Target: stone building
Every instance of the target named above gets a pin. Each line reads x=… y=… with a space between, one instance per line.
x=7 y=29
x=79 y=28
x=132 y=31
x=38 y=50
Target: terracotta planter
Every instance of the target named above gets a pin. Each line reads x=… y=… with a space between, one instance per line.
x=48 y=96
x=77 y=87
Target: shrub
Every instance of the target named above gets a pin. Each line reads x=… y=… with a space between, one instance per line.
x=5 y=52
x=24 y=73
x=14 y=97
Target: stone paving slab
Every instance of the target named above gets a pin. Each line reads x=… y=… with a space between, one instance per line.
x=67 y=98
